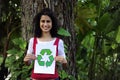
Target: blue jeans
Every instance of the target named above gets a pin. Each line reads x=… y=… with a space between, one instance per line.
x=57 y=78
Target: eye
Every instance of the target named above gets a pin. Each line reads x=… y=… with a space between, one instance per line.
x=42 y=21
x=48 y=21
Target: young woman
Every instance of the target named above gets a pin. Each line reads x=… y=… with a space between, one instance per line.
x=45 y=34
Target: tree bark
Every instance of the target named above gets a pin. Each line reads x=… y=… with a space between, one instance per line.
x=29 y=9
x=64 y=10
x=0 y=17
x=0 y=11
x=70 y=41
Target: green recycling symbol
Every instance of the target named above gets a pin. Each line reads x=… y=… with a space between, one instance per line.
x=42 y=53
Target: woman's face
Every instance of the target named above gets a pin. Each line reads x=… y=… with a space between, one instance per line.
x=45 y=23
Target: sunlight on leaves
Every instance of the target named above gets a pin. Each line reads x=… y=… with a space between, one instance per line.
x=63 y=32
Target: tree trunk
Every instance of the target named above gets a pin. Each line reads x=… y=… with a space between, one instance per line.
x=0 y=11
x=0 y=17
x=70 y=41
x=29 y=9
x=64 y=11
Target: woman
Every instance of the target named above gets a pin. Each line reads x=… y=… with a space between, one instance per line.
x=45 y=34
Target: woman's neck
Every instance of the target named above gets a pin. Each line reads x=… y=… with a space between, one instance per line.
x=46 y=37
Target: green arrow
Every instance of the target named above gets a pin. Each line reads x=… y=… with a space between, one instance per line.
x=39 y=57
x=51 y=58
x=43 y=51
x=48 y=51
x=41 y=63
x=49 y=63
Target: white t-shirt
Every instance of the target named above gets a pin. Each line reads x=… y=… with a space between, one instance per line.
x=60 y=46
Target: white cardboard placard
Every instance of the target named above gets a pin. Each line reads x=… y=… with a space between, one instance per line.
x=45 y=69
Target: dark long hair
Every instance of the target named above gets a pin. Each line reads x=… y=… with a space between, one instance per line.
x=36 y=22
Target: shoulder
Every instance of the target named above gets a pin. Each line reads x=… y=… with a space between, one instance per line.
x=60 y=41
x=31 y=40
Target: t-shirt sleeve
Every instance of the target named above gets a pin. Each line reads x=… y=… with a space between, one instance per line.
x=61 y=51
x=30 y=46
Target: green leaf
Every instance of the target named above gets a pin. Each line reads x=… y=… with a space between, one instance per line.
x=63 y=74
x=18 y=41
x=104 y=21
x=20 y=53
x=118 y=35
x=12 y=51
x=23 y=45
x=114 y=46
x=63 y=32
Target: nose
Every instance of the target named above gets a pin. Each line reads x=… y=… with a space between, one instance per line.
x=45 y=23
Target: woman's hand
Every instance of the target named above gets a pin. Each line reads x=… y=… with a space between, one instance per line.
x=60 y=59
x=29 y=57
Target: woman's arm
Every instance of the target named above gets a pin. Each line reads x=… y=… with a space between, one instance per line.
x=29 y=56
x=60 y=59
